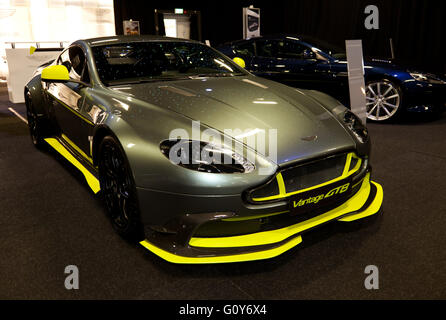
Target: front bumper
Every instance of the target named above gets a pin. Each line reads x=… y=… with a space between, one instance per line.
x=259 y=245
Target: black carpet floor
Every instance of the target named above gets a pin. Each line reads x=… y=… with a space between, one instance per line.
x=49 y=219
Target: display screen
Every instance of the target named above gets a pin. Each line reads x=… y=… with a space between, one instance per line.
x=153 y=61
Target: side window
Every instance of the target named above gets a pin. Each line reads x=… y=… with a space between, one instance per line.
x=64 y=59
x=280 y=49
x=74 y=59
x=265 y=48
x=245 y=49
x=290 y=50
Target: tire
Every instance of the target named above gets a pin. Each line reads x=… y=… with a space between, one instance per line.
x=384 y=100
x=118 y=190
x=36 y=126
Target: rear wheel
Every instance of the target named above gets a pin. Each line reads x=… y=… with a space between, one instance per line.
x=118 y=189
x=383 y=100
x=35 y=125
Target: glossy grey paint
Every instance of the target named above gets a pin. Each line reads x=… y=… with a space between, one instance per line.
x=143 y=115
x=153 y=112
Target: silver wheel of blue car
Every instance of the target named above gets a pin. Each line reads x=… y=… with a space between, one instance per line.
x=383 y=100
x=118 y=189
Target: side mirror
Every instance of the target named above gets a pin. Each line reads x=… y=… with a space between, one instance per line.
x=59 y=73
x=240 y=62
x=56 y=73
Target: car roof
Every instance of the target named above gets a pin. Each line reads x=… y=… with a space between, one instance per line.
x=303 y=38
x=100 y=41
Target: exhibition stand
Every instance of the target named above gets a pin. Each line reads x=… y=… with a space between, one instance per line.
x=23 y=62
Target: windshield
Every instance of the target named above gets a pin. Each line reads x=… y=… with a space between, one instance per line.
x=135 y=62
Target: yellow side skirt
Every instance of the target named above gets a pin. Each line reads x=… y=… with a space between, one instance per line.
x=92 y=181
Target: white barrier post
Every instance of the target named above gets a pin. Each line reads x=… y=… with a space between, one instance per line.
x=356 y=83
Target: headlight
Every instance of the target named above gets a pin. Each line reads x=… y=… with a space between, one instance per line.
x=418 y=76
x=356 y=126
x=426 y=77
x=205 y=157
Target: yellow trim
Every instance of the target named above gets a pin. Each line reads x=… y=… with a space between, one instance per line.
x=75 y=147
x=281 y=184
x=371 y=210
x=260 y=255
x=347 y=164
x=55 y=73
x=358 y=164
x=344 y=175
x=357 y=183
x=92 y=181
x=340 y=213
x=76 y=113
x=71 y=109
x=32 y=49
x=274 y=236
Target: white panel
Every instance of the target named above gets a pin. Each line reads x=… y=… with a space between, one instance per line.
x=356 y=81
x=183 y=27
x=21 y=67
x=170 y=26
x=53 y=20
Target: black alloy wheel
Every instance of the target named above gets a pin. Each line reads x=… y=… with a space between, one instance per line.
x=34 y=124
x=118 y=190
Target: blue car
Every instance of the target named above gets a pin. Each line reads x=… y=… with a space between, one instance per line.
x=305 y=62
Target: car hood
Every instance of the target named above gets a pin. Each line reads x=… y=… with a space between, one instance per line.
x=305 y=129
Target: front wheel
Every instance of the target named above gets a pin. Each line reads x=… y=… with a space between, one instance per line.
x=118 y=189
x=383 y=100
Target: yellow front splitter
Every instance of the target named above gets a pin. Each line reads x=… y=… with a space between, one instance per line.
x=260 y=255
x=346 y=212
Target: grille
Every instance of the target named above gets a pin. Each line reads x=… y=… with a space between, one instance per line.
x=222 y=228
x=294 y=179
x=314 y=173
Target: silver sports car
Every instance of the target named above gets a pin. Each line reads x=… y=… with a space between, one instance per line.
x=194 y=157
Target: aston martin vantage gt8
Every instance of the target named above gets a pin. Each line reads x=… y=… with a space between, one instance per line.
x=162 y=129
x=306 y=62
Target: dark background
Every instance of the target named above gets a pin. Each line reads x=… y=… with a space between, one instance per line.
x=418 y=27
